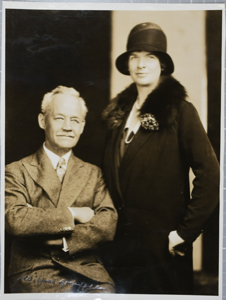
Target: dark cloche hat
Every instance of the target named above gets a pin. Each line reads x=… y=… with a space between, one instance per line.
x=146 y=37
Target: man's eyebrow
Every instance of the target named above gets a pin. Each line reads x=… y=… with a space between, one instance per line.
x=62 y=114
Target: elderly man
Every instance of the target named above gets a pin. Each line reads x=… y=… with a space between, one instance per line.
x=57 y=208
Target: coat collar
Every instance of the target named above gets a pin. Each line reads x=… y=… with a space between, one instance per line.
x=42 y=172
x=164 y=102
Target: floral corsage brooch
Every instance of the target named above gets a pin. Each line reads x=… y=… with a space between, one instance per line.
x=148 y=121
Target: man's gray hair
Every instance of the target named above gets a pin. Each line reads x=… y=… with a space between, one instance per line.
x=48 y=97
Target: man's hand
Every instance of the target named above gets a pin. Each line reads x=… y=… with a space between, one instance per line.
x=82 y=214
x=57 y=242
x=174 y=240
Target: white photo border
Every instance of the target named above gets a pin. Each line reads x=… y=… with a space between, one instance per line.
x=103 y=5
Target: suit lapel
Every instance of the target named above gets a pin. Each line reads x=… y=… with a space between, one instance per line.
x=74 y=182
x=134 y=147
x=42 y=172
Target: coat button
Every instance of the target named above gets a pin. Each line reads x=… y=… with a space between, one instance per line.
x=57 y=258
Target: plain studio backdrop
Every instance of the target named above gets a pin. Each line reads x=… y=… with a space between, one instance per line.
x=47 y=48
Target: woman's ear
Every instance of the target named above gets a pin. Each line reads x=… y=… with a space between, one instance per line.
x=127 y=64
x=163 y=67
x=41 y=121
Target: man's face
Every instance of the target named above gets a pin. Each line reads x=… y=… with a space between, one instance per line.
x=63 y=123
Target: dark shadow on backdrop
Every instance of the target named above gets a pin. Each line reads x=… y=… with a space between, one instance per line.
x=45 y=49
x=213 y=54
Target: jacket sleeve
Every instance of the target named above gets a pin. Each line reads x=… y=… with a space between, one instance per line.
x=101 y=228
x=200 y=157
x=21 y=220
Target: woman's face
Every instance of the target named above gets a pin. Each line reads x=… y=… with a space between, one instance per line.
x=144 y=68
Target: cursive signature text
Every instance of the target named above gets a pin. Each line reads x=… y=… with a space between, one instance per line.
x=80 y=287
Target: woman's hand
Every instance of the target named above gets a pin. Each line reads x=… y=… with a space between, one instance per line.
x=174 y=240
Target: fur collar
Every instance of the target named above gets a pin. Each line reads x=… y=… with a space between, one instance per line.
x=164 y=103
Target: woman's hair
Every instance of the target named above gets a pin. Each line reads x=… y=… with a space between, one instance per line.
x=48 y=97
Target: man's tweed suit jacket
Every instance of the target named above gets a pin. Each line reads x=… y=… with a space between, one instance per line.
x=34 y=181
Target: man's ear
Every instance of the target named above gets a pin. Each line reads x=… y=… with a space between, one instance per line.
x=41 y=121
x=83 y=125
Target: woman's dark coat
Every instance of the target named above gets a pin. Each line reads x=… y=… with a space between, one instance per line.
x=150 y=189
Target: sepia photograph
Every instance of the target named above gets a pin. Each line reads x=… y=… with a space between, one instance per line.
x=112 y=137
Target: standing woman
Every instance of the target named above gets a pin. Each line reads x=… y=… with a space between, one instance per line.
x=155 y=136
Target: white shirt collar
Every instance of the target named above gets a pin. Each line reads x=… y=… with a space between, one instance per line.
x=55 y=158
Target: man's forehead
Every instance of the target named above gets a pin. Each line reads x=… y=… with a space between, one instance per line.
x=65 y=97
x=63 y=103
x=64 y=100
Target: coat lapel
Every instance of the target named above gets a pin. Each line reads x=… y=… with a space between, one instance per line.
x=42 y=172
x=139 y=140
x=134 y=147
x=115 y=144
x=74 y=181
